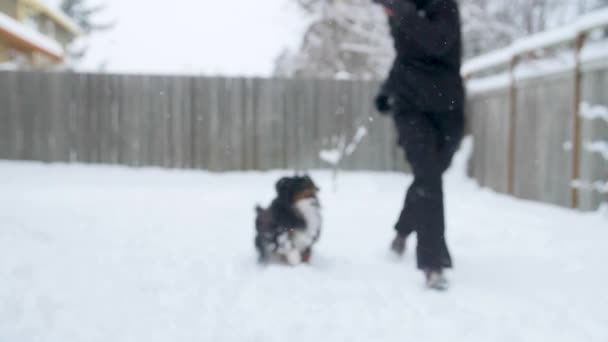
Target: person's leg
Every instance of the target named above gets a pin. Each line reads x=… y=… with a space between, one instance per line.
x=404 y=227
x=427 y=209
x=405 y=123
x=433 y=253
x=451 y=131
x=423 y=208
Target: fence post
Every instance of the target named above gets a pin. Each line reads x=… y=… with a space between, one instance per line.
x=512 y=125
x=576 y=120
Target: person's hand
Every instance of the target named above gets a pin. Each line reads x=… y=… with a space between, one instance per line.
x=384 y=5
x=383 y=103
x=383 y=2
x=399 y=6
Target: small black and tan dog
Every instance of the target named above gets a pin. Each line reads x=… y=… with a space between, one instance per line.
x=287 y=230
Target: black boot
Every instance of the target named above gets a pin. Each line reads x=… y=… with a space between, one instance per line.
x=398 y=245
x=436 y=280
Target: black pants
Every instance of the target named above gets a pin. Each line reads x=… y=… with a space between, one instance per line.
x=430 y=141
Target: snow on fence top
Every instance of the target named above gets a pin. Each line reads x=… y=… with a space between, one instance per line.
x=538 y=41
x=30 y=37
x=594 y=112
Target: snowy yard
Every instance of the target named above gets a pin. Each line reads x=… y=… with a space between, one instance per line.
x=98 y=254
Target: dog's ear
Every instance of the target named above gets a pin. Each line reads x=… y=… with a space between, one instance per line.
x=284 y=189
x=281 y=185
x=309 y=181
x=258 y=209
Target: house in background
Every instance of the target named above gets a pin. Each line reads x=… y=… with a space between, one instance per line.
x=34 y=35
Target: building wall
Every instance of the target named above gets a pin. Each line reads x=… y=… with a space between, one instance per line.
x=53 y=30
x=40 y=61
x=44 y=24
x=3 y=51
x=63 y=36
x=9 y=54
x=9 y=7
x=29 y=15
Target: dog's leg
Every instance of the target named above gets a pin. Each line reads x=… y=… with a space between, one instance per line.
x=290 y=254
x=306 y=254
x=293 y=257
x=263 y=255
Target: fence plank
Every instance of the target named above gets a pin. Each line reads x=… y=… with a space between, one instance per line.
x=230 y=124
x=214 y=143
x=251 y=88
x=306 y=126
x=594 y=166
x=325 y=118
x=266 y=117
x=290 y=124
x=177 y=121
x=27 y=114
x=9 y=126
x=556 y=101
x=203 y=104
x=57 y=120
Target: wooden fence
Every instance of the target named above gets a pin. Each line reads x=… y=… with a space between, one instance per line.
x=523 y=134
x=218 y=124
x=527 y=143
x=533 y=139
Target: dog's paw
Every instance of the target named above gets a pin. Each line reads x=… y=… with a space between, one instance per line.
x=263 y=260
x=306 y=255
x=293 y=257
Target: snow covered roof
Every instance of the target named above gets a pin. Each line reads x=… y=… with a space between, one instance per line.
x=26 y=38
x=57 y=15
x=596 y=19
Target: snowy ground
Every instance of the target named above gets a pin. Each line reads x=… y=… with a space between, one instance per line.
x=112 y=254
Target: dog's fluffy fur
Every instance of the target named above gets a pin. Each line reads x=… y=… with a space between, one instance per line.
x=289 y=228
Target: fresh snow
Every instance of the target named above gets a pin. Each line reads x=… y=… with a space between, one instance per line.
x=359 y=135
x=594 y=112
x=545 y=66
x=331 y=156
x=491 y=83
x=595 y=19
x=600 y=147
x=600 y=187
x=334 y=156
x=523 y=71
x=33 y=37
x=594 y=51
x=97 y=254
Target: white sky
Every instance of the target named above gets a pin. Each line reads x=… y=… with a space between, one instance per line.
x=227 y=37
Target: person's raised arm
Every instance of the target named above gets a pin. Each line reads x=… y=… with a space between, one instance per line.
x=434 y=33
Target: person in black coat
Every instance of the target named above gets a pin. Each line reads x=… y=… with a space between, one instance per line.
x=424 y=91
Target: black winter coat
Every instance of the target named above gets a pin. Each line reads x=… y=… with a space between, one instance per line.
x=425 y=75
